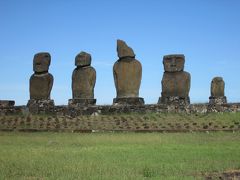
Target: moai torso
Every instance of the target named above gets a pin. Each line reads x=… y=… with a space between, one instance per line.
x=175 y=81
x=217 y=87
x=176 y=84
x=127 y=72
x=40 y=86
x=127 y=77
x=83 y=77
x=41 y=81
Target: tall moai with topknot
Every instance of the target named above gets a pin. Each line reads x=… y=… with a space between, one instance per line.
x=175 y=81
x=127 y=72
x=83 y=81
x=41 y=83
x=217 y=91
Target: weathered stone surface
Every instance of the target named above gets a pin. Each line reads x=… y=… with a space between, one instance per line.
x=217 y=92
x=83 y=80
x=175 y=100
x=109 y=109
x=41 y=106
x=127 y=72
x=129 y=101
x=127 y=77
x=174 y=63
x=124 y=50
x=41 y=81
x=217 y=100
x=41 y=62
x=41 y=86
x=83 y=59
x=176 y=84
x=81 y=102
x=217 y=87
x=6 y=103
x=175 y=81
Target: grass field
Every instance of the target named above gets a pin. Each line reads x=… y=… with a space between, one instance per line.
x=117 y=155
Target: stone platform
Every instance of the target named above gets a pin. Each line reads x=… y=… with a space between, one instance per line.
x=81 y=102
x=174 y=100
x=41 y=106
x=136 y=101
x=217 y=100
x=65 y=110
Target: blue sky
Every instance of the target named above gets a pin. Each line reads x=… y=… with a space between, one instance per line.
x=207 y=32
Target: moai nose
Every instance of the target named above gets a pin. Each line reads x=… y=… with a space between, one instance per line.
x=174 y=61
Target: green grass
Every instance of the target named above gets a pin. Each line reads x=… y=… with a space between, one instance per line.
x=117 y=155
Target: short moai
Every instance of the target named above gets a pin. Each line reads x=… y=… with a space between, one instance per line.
x=41 y=83
x=217 y=92
x=175 y=81
x=83 y=81
x=127 y=72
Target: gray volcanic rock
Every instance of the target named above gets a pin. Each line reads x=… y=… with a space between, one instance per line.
x=42 y=106
x=41 y=81
x=127 y=72
x=83 y=78
x=173 y=63
x=217 y=92
x=41 y=86
x=124 y=50
x=83 y=82
x=175 y=81
x=176 y=84
x=83 y=59
x=217 y=87
x=127 y=77
x=41 y=62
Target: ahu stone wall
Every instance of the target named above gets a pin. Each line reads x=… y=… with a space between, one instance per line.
x=120 y=109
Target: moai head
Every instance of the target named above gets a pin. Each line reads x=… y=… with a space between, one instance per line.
x=124 y=50
x=41 y=62
x=174 y=63
x=83 y=59
x=217 y=87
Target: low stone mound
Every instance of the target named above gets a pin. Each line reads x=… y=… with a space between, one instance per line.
x=228 y=175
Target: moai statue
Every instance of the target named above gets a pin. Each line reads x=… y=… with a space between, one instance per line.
x=83 y=81
x=175 y=81
x=41 y=83
x=127 y=72
x=217 y=91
